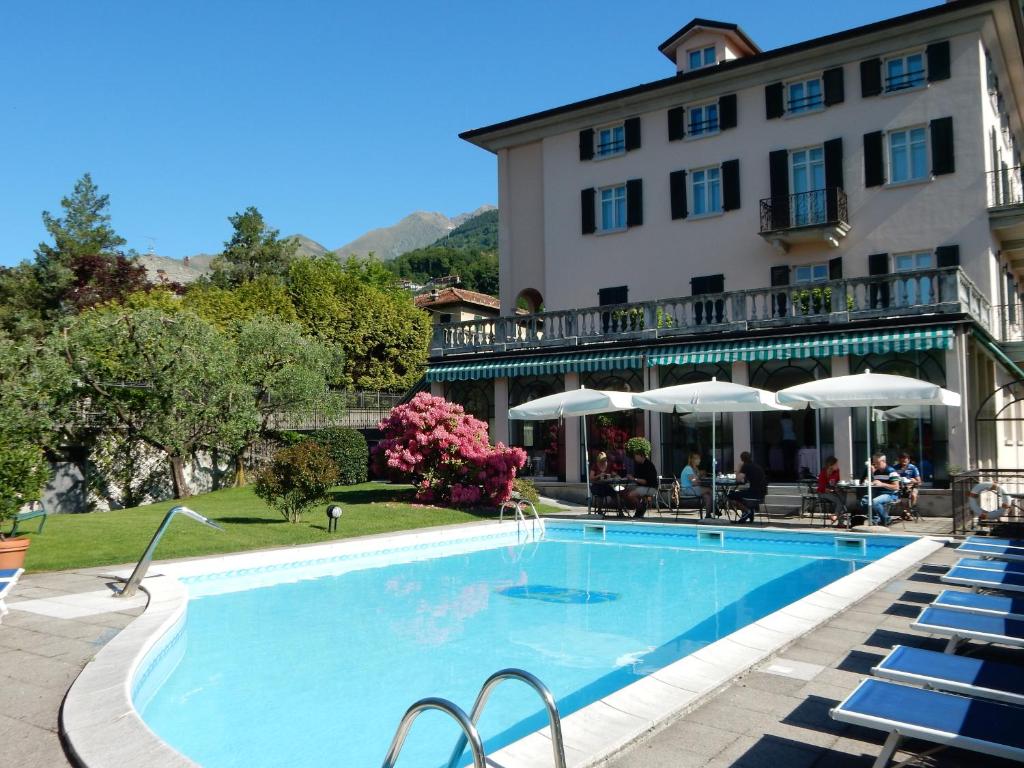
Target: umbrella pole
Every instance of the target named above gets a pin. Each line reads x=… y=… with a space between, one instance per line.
x=586 y=461
x=714 y=465
x=870 y=468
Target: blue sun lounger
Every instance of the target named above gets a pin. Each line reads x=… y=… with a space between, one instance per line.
x=8 y=578
x=991 y=565
x=993 y=542
x=996 y=605
x=983 y=578
x=959 y=626
x=985 y=550
x=955 y=674
x=941 y=718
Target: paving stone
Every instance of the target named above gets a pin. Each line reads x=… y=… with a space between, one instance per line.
x=766 y=752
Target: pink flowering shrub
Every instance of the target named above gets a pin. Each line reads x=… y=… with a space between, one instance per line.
x=446 y=453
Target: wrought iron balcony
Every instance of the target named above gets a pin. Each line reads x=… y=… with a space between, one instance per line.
x=828 y=304
x=821 y=215
x=1005 y=187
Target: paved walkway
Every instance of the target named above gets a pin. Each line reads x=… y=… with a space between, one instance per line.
x=774 y=716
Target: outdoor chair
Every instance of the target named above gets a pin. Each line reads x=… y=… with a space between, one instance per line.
x=983 y=578
x=667 y=496
x=986 y=551
x=601 y=504
x=961 y=626
x=810 y=501
x=971 y=602
x=37 y=510
x=952 y=673
x=946 y=719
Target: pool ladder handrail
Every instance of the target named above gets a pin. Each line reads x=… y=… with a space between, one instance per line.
x=517 y=505
x=511 y=673
x=467 y=723
x=469 y=731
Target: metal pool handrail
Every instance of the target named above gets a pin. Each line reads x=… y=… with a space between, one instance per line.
x=468 y=727
x=542 y=690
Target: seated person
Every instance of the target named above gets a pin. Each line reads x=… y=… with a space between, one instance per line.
x=689 y=487
x=598 y=475
x=885 y=485
x=828 y=478
x=911 y=476
x=646 y=478
x=757 y=487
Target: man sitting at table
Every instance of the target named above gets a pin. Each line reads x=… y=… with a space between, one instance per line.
x=887 y=481
x=753 y=495
x=646 y=478
x=911 y=476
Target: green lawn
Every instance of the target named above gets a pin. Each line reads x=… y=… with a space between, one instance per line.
x=107 y=538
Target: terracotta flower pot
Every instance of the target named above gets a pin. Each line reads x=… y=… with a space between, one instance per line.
x=12 y=552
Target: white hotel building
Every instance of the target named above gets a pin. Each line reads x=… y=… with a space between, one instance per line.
x=850 y=202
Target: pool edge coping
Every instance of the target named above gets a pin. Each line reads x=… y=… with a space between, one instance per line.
x=102 y=729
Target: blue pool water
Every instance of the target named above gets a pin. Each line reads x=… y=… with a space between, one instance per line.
x=319 y=671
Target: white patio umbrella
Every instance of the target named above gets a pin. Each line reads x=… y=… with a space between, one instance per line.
x=580 y=402
x=713 y=397
x=868 y=390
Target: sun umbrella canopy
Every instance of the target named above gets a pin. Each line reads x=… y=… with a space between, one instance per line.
x=708 y=397
x=902 y=412
x=575 y=402
x=867 y=389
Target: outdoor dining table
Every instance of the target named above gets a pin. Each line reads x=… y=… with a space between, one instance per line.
x=723 y=485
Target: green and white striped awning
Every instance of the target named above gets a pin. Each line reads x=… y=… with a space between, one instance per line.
x=796 y=347
x=539 y=365
x=799 y=347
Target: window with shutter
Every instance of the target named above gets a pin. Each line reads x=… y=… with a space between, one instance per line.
x=905 y=72
x=731 y=185
x=835 y=92
x=611 y=140
x=833 y=177
x=634 y=202
x=706 y=191
x=947 y=256
x=711 y=311
x=727 y=112
x=773 y=101
x=676 y=124
x=878 y=264
x=587 y=198
x=587 y=144
x=631 y=129
x=778 y=170
x=835 y=268
x=870 y=78
x=618 y=294
x=943 y=160
x=677 y=194
x=937 y=55
x=874 y=160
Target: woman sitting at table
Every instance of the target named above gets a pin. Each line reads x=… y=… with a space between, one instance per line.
x=598 y=475
x=689 y=482
x=828 y=478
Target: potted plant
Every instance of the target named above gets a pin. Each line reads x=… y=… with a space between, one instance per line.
x=23 y=473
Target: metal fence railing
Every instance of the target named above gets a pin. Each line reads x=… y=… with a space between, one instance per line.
x=989 y=488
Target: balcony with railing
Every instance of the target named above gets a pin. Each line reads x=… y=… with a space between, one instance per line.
x=818 y=216
x=826 y=304
x=1005 y=188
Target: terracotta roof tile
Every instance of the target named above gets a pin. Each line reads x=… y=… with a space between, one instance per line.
x=456 y=296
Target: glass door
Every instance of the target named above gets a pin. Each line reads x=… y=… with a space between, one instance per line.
x=807 y=182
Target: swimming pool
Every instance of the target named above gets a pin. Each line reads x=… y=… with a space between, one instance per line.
x=311 y=663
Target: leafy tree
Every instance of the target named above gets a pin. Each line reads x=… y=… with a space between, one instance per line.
x=287 y=374
x=297 y=478
x=349 y=450
x=382 y=334
x=21 y=300
x=477 y=270
x=479 y=233
x=170 y=381
x=253 y=250
x=371 y=271
x=86 y=263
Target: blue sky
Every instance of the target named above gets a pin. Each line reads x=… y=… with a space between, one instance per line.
x=331 y=117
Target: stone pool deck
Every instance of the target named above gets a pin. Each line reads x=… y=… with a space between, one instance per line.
x=776 y=715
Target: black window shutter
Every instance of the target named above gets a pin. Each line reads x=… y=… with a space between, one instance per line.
x=631 y=128
x=634 y=202
x=942 y=146
x=835 y=268
x=778 y=170
x=677 y=194
x=832 y=79
x=878 y=264
x=870 y=77
x=833 y=176
x=727 y=111
x=619 y=294
x=676 y=123
x=587 y=144
x=730 y=185
x=589 y=218
x=780 y=276
x=715 y=283
x=938 y=61
x=947 y=256
x=698 y=286
x=773 y=105
x=874 y=160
